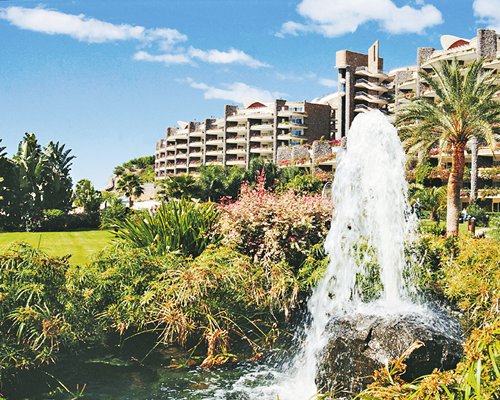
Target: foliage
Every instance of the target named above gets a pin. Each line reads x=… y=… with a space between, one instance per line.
x=432 y=200
x=177 y=187
x=87 y=197
x=222 y=294
x=35 y=179
x=275 y=227
x=422 y=171
x=114 y=210
x=216 y=182
x=143 y=167
x=130 y=186
x=32 y=325
x=465 y=107
x=305 y=184
x=479 y=214
x=182 y=226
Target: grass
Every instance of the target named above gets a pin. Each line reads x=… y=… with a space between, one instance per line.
x=462 y=228
x=80 y=244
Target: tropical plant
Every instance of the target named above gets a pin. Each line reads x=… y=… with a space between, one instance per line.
x=87 y=197
x=216 y=182
x=32 y=326
x=465 y=107
x=113 y=210
x=177 y=187
x=432 y=200
x=130 y=186
x=57 y=188
x=182 y=226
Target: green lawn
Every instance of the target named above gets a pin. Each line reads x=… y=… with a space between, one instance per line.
x=80 y=244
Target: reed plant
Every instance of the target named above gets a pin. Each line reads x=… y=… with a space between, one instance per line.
x=182 y=225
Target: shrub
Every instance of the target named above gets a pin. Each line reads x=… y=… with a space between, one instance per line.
x=305 y=184
x=221 y=296
x=113 y=212
x=479 y=214
x=178 y=225
x=31 y=310
x=274 y=227
x=53 y=220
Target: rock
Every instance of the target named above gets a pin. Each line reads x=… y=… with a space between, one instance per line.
x=361 y=344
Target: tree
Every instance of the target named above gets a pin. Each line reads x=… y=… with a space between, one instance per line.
x=216 y=182
x=130 y=186
x=178 y=187
x=432 y=200
x=465 y=107
x=87 y=197
x=58 y=184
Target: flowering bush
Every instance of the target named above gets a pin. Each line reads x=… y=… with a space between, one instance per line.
x=275 y=227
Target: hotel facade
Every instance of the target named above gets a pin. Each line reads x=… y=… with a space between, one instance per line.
x=257 y=130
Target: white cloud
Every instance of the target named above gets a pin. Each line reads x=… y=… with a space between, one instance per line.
x=329 y=83
x=167 y=59
x=91 y=30
x=295 y=77
x=232 y=56
x=489 y=12
x=338 y=17
x=237 y=92
x=83 y=28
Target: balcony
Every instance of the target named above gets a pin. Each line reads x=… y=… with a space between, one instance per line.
x=170 y=147
x=236 y=139
x=182 y=146
x=215 y=142
x=196 y=154
x=370 y=98
x=217 y=152
x=181 y=155
x=291 y=125
x=365 y=84
x=214 y=162
x=237 y=118
x=291 y=113
x=262 y=127
x=363 y=71
x=196 y=134
x=237 y=150
x=198 y=143
x=287 y=136
x=240 y=161
x=361 y=108
x=237 y=128
x=261 y=138
x=216 y=131
x=261 y=150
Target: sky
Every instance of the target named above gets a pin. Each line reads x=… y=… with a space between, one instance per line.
x=107 y=77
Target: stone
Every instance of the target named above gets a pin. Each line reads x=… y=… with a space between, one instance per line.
x=361 y=344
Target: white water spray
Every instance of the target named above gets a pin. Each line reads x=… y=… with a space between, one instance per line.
x=370 y=226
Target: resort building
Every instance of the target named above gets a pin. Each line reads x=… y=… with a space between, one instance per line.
x=363 y=86
x=257 y=130
x=408 y=84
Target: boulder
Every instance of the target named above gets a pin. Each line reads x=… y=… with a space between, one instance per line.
x=360 y=344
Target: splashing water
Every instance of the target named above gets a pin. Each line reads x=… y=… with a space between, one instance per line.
x=366 y=242
x=371 y=224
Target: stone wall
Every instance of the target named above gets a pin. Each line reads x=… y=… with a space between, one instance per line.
x=284 y=153
x=486 y=43
x=321 y=149
x=300 y=152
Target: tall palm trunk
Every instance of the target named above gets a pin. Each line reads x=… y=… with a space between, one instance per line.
x=473 y=170
x=130 y=202
x=454 y=185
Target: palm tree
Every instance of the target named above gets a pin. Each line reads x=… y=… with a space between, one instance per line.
x=432 y=200
x=465 y=108
x=130 y=186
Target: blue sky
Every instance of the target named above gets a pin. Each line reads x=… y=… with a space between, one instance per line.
x=107 y=77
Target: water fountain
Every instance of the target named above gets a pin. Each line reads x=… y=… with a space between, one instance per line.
x=365 y=310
